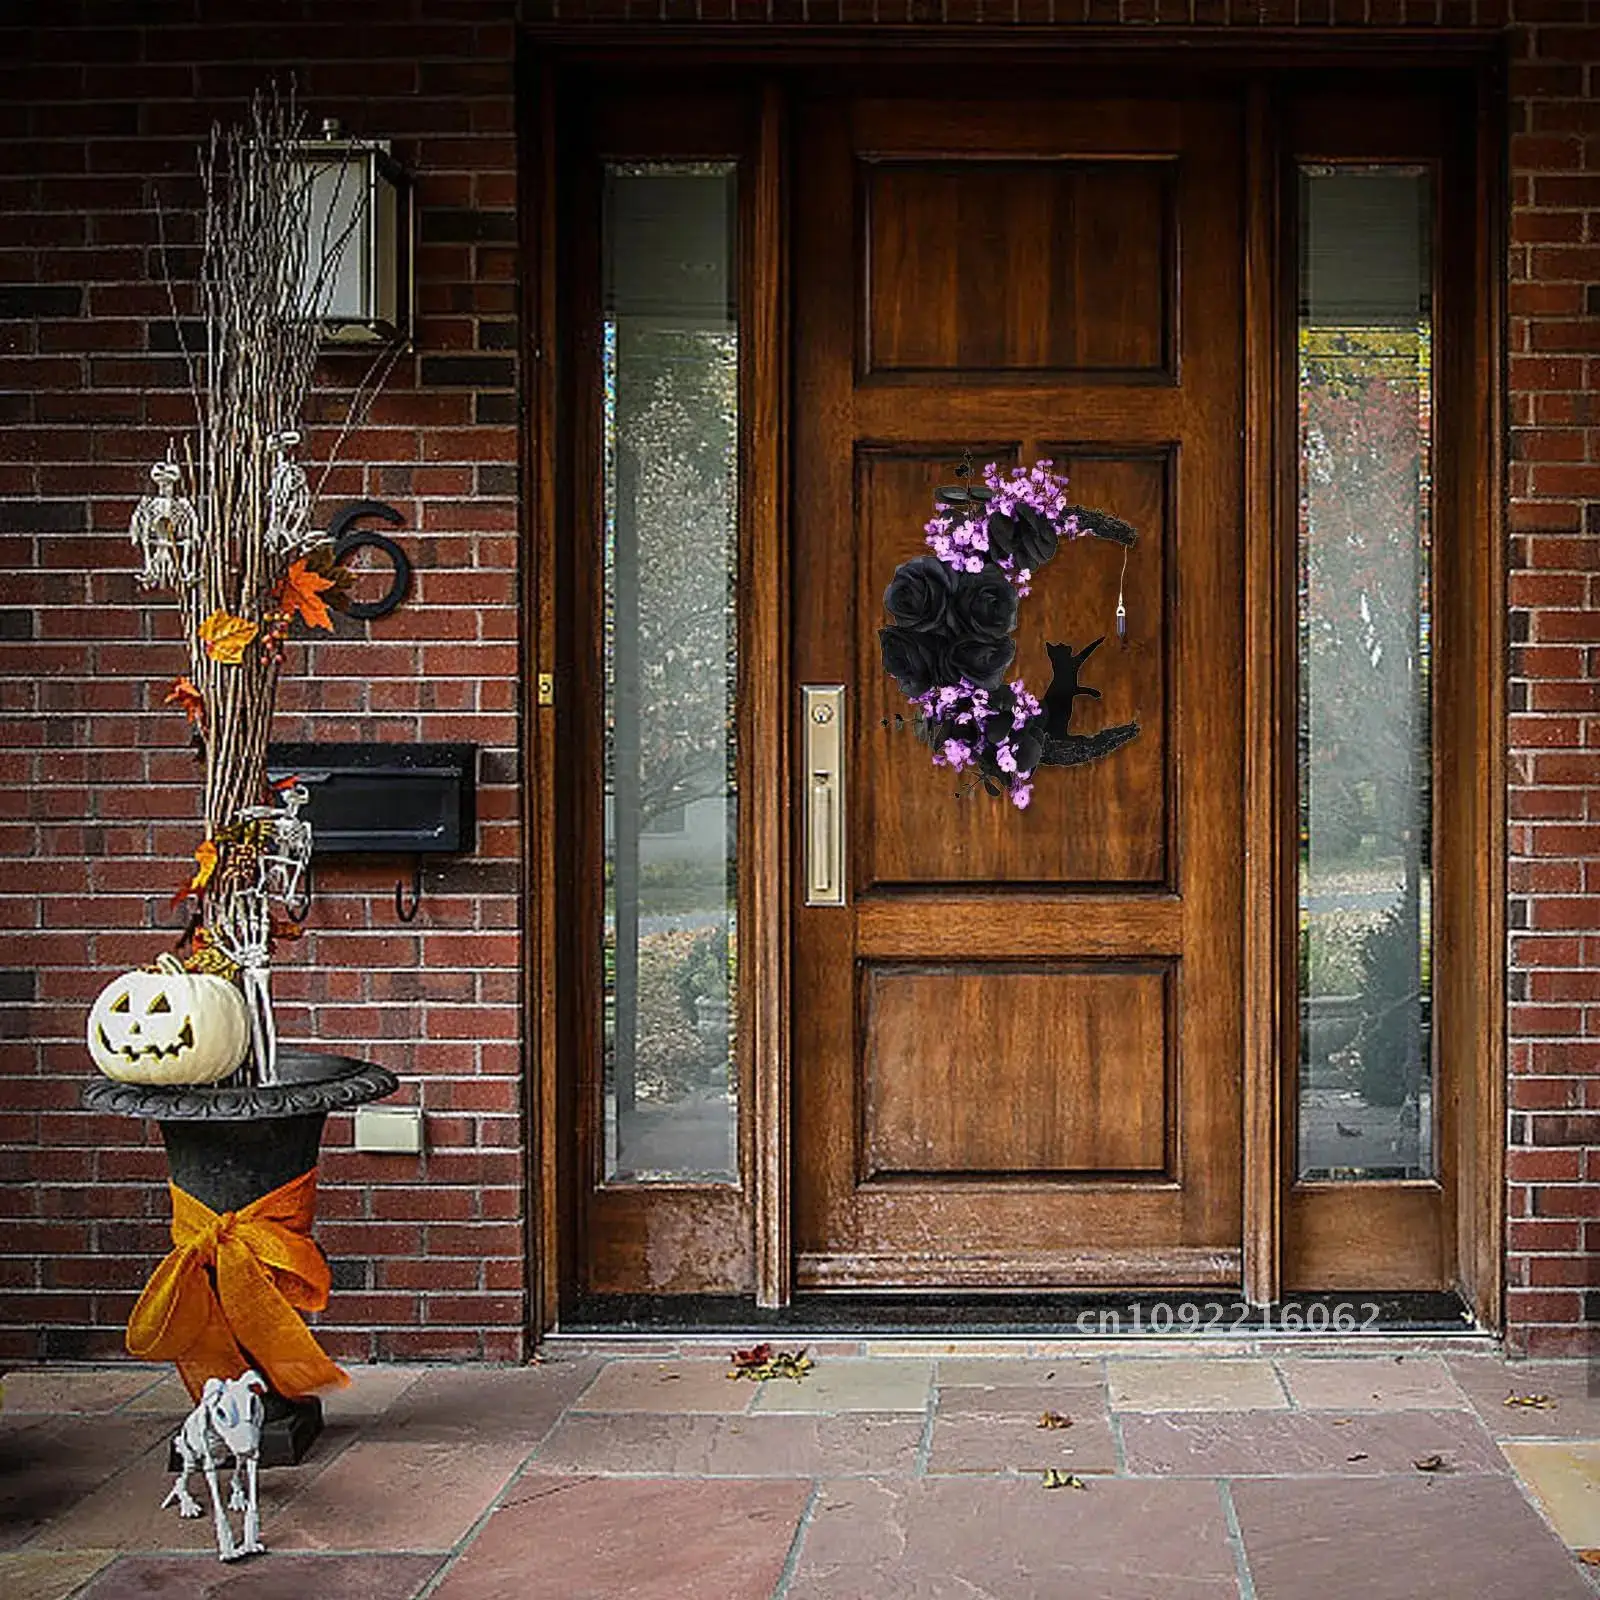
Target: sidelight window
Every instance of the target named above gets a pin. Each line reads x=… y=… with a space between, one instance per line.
x=1364 y=615
x=671 y=430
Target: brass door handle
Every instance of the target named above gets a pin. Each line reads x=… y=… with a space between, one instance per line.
x=822 y=711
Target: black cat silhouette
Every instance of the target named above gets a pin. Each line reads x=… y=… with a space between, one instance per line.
x=1064 y=688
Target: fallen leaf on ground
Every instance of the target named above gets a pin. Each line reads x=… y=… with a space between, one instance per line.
x=1053 y=1419
x=1341 y=1422
x=762 y=1362
x=1433 y=1463
x=1530 y=1402
x=1054 y=1479
x=1590 y=1558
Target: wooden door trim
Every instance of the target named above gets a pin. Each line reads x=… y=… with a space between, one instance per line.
x=1445 y=1232
x=766 y=696
x=548 y=1121
x=539 y=457
x=1265 y=579
x=647 y=41
x=1170 y=1267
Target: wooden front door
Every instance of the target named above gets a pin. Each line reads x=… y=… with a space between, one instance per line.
x=1017 y=1042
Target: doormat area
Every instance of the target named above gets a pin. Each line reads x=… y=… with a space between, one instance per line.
x=1109 y=1316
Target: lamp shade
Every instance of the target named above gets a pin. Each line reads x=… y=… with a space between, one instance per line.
x=358 y=243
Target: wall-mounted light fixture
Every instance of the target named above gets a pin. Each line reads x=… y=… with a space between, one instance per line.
x=358 y=273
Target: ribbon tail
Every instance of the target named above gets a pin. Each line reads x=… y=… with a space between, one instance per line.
x=282 y=1348
x=177 y=1319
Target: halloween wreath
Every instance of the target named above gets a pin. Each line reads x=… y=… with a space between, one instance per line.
x=955 y=613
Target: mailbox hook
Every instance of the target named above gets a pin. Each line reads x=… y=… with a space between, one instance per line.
x=400 y=909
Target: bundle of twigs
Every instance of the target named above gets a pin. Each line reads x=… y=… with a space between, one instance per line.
x=264 y=269
x=258 y=360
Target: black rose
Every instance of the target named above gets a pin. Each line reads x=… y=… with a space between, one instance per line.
x=1029 y=747
x=1004 y=535
x=983 y=603
x=982 y=662
x=918 y=595
x=1027 y=537
x=911 y=658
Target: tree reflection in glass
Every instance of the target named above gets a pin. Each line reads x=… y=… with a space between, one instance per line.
x=1365 y=766
x=671 y=498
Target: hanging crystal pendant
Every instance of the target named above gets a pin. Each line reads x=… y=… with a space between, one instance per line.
x=166 y=531
x=288 y=497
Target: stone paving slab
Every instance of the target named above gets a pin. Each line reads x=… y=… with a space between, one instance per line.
x=836 y=1386
x=125 y=1512
x=944 y=1538
x=776 y=1446
x=1400 y=1383
x=690 y=1386
x=1573 y=1414
x=1472 y=1537
x=997 y=1429
x=1194 y=1384
x=388 y=1494
x=632 y=1539
x=1295 y=1443
x=49 y=1574
x=1017 y=1444
x=49 y=1464
x=364 y=1577
x=1021 y=1400
x=512 y=1403
x=988 y=1372
x=56 y=1390
x=1565 y=1480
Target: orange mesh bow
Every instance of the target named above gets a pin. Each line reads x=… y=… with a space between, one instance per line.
x=267 y=1269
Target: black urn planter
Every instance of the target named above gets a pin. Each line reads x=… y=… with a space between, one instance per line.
x=228 y=1146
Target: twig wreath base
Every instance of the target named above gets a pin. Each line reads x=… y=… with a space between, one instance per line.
x=955 y=614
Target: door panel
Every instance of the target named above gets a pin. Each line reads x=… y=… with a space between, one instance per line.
x=1067 y=274
x=1016 y=1047
x=957 y=1078
x=1109 y=824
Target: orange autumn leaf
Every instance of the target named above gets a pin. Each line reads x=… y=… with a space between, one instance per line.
x=206 y=855
x=206 y=858
x=300 y=595
x=189 y=699
x=226 y=637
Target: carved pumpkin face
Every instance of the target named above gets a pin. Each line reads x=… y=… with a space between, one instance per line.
x=168 y=1026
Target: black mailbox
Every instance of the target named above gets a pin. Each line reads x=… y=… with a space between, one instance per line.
x=389 y=799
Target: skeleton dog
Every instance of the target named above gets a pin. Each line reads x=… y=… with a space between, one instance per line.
x=227 y=1420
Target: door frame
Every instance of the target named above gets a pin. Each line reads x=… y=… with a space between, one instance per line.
x=1473 y=764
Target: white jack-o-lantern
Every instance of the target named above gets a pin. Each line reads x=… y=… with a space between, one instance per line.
x=168 y=1026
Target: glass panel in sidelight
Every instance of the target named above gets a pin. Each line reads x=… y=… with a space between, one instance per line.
x=1366 y=1100
x=671 y=371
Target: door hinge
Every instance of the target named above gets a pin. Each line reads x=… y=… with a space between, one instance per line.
x=547 y=688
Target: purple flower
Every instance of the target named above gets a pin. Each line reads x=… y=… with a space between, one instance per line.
x=1021 y=794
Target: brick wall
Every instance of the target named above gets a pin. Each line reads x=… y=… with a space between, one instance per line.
x=99 y=799
x=96 y=808
x=1553 y=304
